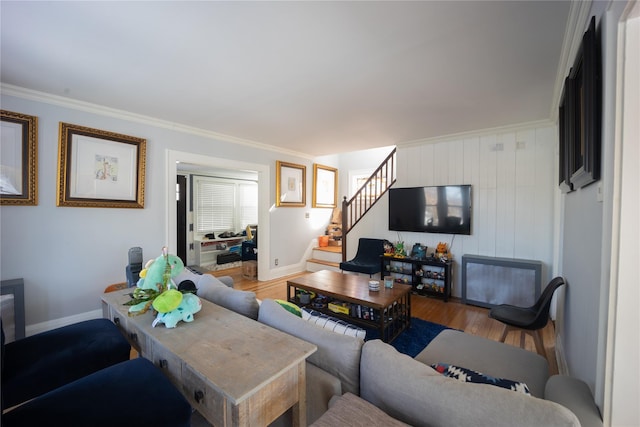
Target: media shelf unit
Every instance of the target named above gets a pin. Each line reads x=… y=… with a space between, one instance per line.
x=427 y=276
x=207 y=250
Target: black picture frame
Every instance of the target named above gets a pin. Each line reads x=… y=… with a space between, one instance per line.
x=565 y=134
x=585 y=77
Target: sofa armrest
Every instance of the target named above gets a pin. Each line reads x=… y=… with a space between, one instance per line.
x=574 y=395
x=227 y=280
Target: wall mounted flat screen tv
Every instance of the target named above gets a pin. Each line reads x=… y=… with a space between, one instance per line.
x=438 y=209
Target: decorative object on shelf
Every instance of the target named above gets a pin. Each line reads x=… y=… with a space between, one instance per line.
x=291 y=187
x=100 y=169
x=19 y=160
x=442 y=253
x=399 y=249
x=156 y=289
x=388 y=248
x=325 y=187
x=419 y=251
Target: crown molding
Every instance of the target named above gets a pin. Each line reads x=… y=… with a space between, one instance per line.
x=61 y=101
x=479 y=133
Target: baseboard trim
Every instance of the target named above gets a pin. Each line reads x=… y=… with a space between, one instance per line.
x=563 y=369
x=63 y=321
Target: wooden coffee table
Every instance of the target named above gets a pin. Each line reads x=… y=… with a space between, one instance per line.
x=233 y=370
x=388 y=310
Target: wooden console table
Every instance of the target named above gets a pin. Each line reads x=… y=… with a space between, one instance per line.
x=233 y=370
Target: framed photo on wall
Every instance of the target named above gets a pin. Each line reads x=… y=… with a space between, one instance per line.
x=586 y=78
x=18 y=159
x=290 y=184
x=325 y=187
x=100 y=169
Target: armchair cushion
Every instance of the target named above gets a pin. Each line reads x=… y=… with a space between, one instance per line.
x=132 y=393
x=45 y=361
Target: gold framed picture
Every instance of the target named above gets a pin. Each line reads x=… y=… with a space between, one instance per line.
x=290 y=185
x=100 y=169
x=325 y=186
x=18 y=159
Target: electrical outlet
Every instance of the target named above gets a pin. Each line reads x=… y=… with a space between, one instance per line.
x=275 y=261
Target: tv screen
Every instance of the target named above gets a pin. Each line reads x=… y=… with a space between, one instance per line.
x=438 y=209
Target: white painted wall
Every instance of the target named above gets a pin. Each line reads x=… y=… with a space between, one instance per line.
x=67 y=256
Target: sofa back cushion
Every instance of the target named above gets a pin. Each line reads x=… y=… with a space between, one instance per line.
x=337 y=354
x=416 y=394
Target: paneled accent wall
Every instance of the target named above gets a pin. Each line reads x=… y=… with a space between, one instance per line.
x=513 y=175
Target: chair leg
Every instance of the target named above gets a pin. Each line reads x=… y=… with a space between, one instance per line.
x=537 y=339
x=522 y=335
x=505 y=331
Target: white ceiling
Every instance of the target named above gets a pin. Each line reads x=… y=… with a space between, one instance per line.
x=312 y=77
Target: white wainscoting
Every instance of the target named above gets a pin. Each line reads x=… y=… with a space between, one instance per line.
x=513 y=178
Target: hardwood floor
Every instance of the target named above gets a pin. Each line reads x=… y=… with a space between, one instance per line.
x=468 y=318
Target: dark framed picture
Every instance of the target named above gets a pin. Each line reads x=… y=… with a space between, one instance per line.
x=585 y=77
x=565 y=134
x=100 y=169
x=18 y=159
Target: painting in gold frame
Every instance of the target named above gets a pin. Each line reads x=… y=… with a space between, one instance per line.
x=325 y=186
x=18 y=159
x=100 y=169
x=290 y=185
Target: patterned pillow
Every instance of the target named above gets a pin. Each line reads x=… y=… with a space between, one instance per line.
x=471 y=376
x=332 y=324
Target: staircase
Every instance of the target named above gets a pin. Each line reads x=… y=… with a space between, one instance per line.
x=371 y=191
x=329 y=257
x=325 y=258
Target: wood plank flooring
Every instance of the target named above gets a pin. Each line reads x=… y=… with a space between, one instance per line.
x=454 y=314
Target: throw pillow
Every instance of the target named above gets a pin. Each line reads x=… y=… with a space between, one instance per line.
x=332 y=324
x=290 y=307
x=471 y=376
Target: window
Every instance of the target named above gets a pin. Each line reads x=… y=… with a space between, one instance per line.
x=224 y=204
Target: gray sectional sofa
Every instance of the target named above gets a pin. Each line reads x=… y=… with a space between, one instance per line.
x=350 y=382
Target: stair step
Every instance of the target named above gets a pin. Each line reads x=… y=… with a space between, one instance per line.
x=323 y=262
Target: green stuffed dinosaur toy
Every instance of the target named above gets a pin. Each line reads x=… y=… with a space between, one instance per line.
x=156 y=279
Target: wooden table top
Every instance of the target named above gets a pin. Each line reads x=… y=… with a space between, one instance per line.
x=350 y=288
x=237 y=355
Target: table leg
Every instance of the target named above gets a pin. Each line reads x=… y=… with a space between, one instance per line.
x=300 y=408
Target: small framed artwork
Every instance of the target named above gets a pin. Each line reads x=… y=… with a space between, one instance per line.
x=18 y=159
x=290 y=184
x=100 y=169
x=325 y=187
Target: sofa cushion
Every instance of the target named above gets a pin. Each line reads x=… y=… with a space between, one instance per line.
x=470 y=376
x=332 y=324
x=489 y=357
x=350 y=410
x=337 y=354
x=415 y=393
x=242 y=302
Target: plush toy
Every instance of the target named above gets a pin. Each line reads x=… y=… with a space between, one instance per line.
x=156 y=279
x=189 y=305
